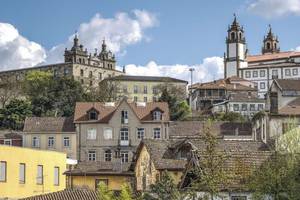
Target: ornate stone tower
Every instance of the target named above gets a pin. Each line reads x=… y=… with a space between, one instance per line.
x=236 y=52
x=107 y=57
x=76 y=54
x=271 y=43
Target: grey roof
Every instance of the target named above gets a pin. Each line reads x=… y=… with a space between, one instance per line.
x=67 y=194
x=244 y=97
x=163 y=152
x=182 y=129
x=101 y=168
x=49 y=124
x=288 y=84
x=146 y=78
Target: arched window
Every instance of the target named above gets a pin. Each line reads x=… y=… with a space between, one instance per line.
x=107 y=155
x=275 y=45
x=268 y=45
x=232 y=35
x=240 y=36
x=79 y=60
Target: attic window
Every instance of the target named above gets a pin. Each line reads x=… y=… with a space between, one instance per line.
x=157 y=115
x=93 y=115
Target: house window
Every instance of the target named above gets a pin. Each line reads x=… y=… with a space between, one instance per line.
x=91 y=134
x=262 y=85
x=56 y=176
x=157 y=115
x=66 y=72
x=155 y=99
x=7 y=142
x=35 y=142
x=252 y=107
x=91 y=83
x=90 y=74
x=55 y=73
x=244 y=107
x=260 y=106
x=236 y=107
x=92 y=155
x=287 y=72
x=3 y=171
x=66 y=141
x=135 y=89
x=22 y=173
x=248 y=74
x=124 y=157
x=51 y=142
x=232 y=35
x=107 y=133
x=262 y=73
x=93 y=115
x=145 y=99
x=107 y=155
x=155 y=90
x=81 y=81
x=295 y=72
x=81 y=72
x=100 y=76
x=40 y=175
x=140 y=133
x=98 y=181
x=124 y=134
x=124 y=117
x=156 y=133
x=209 y=93
x=274 y=74
x=145 y=89
x=135 y=98
x=238 y=198
x=125 y=90
x=255 y=74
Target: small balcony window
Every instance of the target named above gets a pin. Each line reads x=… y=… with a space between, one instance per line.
x=157 y=115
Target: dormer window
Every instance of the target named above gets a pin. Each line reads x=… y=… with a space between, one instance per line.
x=92 y=114
x=157 y=115
x=124 y=117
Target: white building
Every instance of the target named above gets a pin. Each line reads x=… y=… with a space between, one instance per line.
x=263 y=68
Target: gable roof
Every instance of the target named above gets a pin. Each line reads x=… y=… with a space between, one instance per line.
x=292 y=108
x=67 y=194
x=146 y=78
x=162 y=151
x=224 y=84
x=106 y=112
x=288 y=84
x=49 y=124
x=272 y=56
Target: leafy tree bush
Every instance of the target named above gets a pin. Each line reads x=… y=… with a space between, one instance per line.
x=104 y=192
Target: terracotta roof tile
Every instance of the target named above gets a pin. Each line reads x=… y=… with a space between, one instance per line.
x=273 y=56
x=49 y=124
x=106 y=112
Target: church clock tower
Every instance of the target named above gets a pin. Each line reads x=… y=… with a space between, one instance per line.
x=236 y=52
x=271 y=43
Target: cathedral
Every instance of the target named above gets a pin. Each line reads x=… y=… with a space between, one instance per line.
x=261 y=69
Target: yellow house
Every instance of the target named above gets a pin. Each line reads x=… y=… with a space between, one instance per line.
x=153 y=158
x=90 y=173
x=26 y=172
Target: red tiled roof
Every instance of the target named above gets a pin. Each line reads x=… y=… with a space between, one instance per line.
x=106 y=112
x=272 y=56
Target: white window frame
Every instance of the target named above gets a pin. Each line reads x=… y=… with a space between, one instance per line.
x=295 y=72
x=135 y=89
x=56 y=176
x=157 y=115
x=40 y=175
x=236 y=107
x=92 y=155
x=66 y=139
x=140 y=133
x=3 y=171
x=156 y=133
x=262 y=85
x=51 y=142
x=255 y=74
x=124 y=134
x=91 y=134
x=22 y=173
x=262 y=73
x=107 y=133
x=248 y=74
x=124 y=156
x=124 y=117
x=287 y=72
x=108 y=155
x=35 y=142
x=7 y=142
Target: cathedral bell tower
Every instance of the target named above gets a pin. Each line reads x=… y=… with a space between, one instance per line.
x=236 y=52
x=271 y=43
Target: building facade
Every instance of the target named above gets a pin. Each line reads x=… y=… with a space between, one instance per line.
x=146 y=88
x=264 y=68
x=51 y=133
x=26 y=172
x=87 y=68
x=11 y=138
x=111 y=131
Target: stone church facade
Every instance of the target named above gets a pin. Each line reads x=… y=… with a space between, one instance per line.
x=261 y=69
x=87 y=68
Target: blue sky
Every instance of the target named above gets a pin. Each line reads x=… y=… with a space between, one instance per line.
x=181 y=33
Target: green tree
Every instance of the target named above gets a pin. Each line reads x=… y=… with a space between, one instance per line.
x=210 y=174
x=165 y=188
x=126 y=192
x=230 y=117
x=174 y=96
x=52 y=96
x=104 y=192
x=12 y=116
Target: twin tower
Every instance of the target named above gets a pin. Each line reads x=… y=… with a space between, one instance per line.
x=235 y=57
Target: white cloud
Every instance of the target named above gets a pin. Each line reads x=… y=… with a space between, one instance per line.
x=16 y=51
x=211 y=68
x=274 y=8
x=120 y=31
